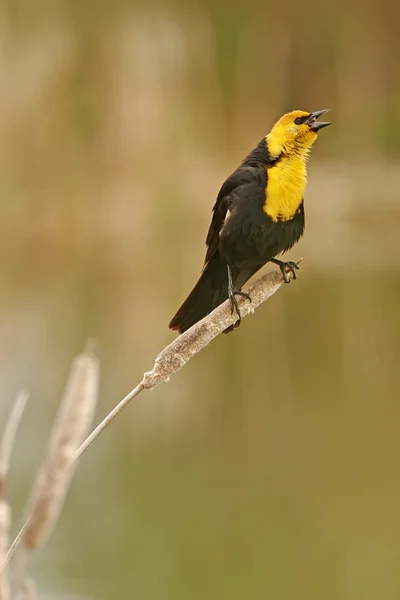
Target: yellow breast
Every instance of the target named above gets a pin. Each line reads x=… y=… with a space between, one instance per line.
x=286 y=184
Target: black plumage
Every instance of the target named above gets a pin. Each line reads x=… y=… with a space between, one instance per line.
x=241 y=235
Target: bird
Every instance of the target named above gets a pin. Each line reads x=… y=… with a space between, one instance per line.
x=258 y=215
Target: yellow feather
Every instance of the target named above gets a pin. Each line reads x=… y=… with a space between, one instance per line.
x=285 y=189
x=290 y=144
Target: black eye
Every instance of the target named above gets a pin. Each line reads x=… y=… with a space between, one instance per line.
x=299 y=120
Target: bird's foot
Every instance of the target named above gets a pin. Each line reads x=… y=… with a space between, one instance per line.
x=232 y=293
x=287 y=267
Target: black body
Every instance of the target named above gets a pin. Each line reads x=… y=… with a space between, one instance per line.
x=241 y=235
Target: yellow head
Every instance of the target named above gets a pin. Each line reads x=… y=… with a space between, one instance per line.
x=295 y=133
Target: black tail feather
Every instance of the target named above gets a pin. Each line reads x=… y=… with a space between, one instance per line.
x=208 y=293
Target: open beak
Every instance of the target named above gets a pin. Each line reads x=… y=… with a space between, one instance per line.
x=316 y=125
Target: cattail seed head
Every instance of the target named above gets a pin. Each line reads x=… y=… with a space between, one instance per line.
x=72 y=422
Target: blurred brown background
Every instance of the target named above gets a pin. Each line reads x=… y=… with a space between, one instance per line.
x=270 y=466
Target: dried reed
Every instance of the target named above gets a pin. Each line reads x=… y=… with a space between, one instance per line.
x=6 y=446
x=53 y=479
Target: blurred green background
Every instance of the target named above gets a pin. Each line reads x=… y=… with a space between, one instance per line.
x=270 y=466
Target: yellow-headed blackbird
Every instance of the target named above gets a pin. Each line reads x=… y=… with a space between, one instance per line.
x=259 y=213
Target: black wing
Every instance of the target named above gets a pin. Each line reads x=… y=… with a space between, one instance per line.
x=241 y=177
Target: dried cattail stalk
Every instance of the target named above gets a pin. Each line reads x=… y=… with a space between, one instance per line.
x=71 y=425
x=6 y=446
x=46 y=499
x=181 y=350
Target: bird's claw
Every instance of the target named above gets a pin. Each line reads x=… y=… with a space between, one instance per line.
x=288 y=267
x=234 y=303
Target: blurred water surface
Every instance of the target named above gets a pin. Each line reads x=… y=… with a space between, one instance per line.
x=269 y=466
